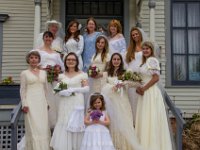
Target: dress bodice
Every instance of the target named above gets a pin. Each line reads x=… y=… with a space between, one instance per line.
x=74 y=46
x=117 y=45
x=50 y=59
x=112 y=80
x=98 y=62
x=134 y=65
x=73 y=82
x=149 y=68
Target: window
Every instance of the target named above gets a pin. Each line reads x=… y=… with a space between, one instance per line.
x=185 y=42
x=102 y=10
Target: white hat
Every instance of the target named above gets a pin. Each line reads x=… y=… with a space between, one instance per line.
x=52 y=22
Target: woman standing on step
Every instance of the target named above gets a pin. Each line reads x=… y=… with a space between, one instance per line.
x=152 y=126
x=33 y=90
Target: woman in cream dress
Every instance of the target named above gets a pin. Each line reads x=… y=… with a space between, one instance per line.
x=33 y=88
x=100 y=60
x=152 y=126
x=133 y=60
x=74 y=41
x=69 y=129
x=119 y=108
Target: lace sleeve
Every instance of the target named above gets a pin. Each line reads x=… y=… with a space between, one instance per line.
x=153 y=65
x=23 y=89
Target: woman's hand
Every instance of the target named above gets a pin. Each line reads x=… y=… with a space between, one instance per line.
x=25 y=109
x=140 y=91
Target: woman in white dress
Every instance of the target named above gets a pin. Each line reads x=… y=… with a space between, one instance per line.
x=33 y=88
x=50 y=57
x=119 y=108
x=100 y=60
x=69 y=129
x=74 y=41
x=54 y=27
x=133 y=59
x=152 y=126
x=97 y=136
x=117 y=43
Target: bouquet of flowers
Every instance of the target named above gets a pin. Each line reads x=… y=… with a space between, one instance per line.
x=52 y=72
x=60 y=86
x=96 y=114
x=130 y=76
x=93 y=71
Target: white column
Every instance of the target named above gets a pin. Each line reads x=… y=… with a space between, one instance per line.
x=152 y=5
x=37 y=20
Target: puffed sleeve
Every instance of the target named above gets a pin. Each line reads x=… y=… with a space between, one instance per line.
x=80 y=46
x=23 y=88
x=153 y=65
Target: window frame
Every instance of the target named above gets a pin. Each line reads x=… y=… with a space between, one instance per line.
x=187 y=54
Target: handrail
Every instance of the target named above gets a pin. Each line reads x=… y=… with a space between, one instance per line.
x=15 y=115
x=178 y=115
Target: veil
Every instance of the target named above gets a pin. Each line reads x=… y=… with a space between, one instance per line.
x=124 y=125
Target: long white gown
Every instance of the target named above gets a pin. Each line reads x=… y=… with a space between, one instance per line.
x=119 y=110
x=151 y=120
x=75 y=46
x=97 y=137
x=32 y=91
x=51 y=59
x=133 y=66
x=69 y=129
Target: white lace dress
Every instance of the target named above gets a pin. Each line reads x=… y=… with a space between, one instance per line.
x=51 y=59
x=151 y=120
x=69 y=129
x=75 y=46
x=117 y=45
x=97 y=137
x=119 y=110
x=134 y=66
x=32 y=91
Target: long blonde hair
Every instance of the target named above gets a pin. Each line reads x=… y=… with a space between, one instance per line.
x=130 y=55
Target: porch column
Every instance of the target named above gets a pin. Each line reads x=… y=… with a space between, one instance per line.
x=152 y=5
x=37 y=20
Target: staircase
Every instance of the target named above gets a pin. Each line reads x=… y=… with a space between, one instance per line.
x=16 y=113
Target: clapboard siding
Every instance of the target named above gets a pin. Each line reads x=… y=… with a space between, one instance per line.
x=187 y=99
x=56 y=10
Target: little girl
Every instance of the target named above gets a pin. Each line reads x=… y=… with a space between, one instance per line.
x=97 y=136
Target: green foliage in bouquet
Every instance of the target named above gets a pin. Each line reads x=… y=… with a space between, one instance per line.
x=61 y=86
x=130 y=76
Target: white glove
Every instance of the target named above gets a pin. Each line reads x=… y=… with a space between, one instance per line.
x=67 y=92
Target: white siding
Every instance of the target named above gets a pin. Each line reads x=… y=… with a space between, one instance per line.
x=187 y=99
x=17 y=35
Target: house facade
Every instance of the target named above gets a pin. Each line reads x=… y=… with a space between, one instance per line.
x=174 y=25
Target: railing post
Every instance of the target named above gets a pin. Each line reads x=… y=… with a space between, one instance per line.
x=13 y=137
x=179 y=137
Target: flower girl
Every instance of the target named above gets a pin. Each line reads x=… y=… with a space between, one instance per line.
x=97 y=136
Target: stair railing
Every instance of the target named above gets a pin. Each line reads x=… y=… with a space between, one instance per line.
x=15 y=115
x=180 y=122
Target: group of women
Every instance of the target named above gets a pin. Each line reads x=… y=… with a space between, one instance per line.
x=136 y=117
